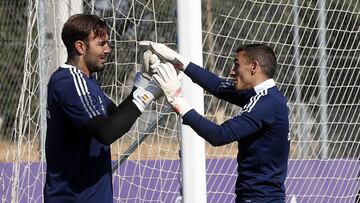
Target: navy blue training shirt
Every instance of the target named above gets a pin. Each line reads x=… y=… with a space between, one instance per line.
x=261 y=130
x=78 y=166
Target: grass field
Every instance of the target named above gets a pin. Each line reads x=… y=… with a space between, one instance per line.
x=152 y=148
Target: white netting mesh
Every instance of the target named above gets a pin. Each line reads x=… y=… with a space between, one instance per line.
x=317 y=44
x=318 y=53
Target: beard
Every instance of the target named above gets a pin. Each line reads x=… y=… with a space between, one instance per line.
x=95 y=67
x=94 y=64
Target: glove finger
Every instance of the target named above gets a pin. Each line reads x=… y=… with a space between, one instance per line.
x=162 y=51
x=153 y=58
x=163 y=72
x=154 y=68
x=172 y=70
x=159 y=80
x=146 y=60
x=144 y=45
x=171 y=73
x=154 y=63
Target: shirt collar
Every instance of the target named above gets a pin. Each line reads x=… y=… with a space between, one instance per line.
x=269 y=83
x=92 y=76
x=66 y=66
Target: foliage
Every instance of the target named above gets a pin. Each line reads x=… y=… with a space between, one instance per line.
x=226 y=25
x=12 y=51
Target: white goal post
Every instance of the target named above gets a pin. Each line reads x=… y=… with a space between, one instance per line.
x=192 y=146
x=318 y=48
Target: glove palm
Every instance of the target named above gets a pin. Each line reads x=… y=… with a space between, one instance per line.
x=169 y=82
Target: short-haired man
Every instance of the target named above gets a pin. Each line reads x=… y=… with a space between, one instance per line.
x=261 y=128
x=82 y=121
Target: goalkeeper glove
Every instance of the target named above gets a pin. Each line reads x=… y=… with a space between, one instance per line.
x=167 y=54
x=142 y=98
x=144 y=95
x=143 y=78
x=147 y=89
x=150 y=63
x=170 y=84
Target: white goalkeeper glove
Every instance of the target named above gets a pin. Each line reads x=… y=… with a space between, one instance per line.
x=144 y=95
x=166 y=53
x=147 y=89
x=170 y=84
x=150 y=62
x=142 y=98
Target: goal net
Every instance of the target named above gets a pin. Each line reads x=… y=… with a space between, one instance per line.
x=317 y=45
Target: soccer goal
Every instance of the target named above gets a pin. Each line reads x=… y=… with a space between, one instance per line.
x=318 y=49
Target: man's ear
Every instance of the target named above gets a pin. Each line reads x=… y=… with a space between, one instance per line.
x=80 y=47
x=255 y=67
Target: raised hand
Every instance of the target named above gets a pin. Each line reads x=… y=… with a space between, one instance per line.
x=170 y=83
x=150 y=62
x=166 y=53
x=146 y=93
x=147 y=89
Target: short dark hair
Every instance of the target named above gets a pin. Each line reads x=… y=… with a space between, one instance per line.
x=263 y=54
x=79 y=27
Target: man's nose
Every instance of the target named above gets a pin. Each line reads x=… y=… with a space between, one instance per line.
x=232 y=71
x=107 y=49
